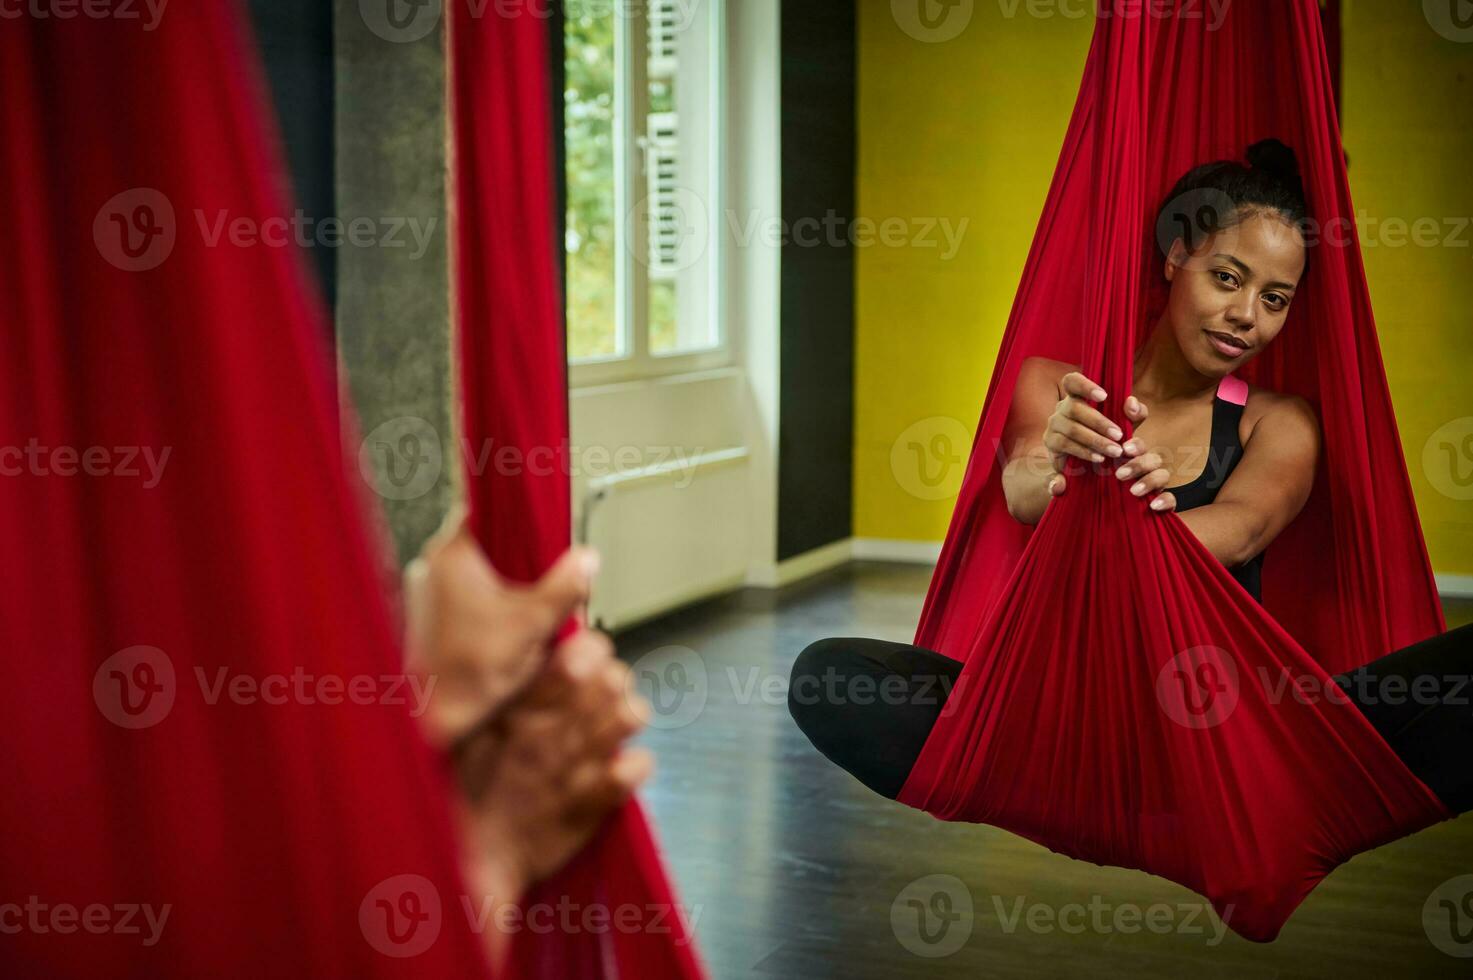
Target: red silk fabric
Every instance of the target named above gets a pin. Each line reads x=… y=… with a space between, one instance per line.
x=1123 y=699
x=304 y=838
x=514 y=389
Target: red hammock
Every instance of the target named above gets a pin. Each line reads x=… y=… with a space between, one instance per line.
x=178 y=519
x=1073 y=727
x=513 y=371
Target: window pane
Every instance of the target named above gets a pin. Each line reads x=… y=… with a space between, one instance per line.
x=593 y=329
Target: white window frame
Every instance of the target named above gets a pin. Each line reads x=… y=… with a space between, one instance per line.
x=631 y=101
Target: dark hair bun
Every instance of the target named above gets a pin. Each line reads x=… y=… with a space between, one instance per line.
x=1274 y=158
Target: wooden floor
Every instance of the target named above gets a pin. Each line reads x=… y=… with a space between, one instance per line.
x=790 y=867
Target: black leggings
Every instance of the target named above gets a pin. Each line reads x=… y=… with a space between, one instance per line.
x=868 y=705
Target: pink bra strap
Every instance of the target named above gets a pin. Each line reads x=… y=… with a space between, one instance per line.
x=1233 y=389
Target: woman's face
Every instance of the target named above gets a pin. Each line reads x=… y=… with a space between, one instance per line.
x=1229 y=298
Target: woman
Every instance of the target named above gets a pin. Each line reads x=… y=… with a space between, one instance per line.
x=1235 y=462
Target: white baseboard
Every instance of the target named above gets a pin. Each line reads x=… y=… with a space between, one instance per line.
x=1455 y=586
x=802 y=566
x=889 y=549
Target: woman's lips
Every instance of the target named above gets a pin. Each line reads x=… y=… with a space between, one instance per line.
x=1223 y=347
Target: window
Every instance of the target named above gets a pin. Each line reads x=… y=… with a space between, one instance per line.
x=643 y=127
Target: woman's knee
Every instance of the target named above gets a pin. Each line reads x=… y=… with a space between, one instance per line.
x=818 y=664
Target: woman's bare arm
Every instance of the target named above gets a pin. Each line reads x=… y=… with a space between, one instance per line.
x=1050 y=419
x=1268 y=488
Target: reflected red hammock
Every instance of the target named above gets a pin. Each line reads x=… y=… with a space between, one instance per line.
x=513 y=372
x=159 y=754
x=1123 y=699
x=184 y=543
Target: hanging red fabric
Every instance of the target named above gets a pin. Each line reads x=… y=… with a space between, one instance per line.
x=1123 y=699
x=514 y=389
x=183 y=543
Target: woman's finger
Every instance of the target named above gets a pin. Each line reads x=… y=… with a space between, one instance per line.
x=1164 y=503
x=1060 y=446
x=1085 y=436
x=563 y=588
x=1079 y=386
x=1151 y=482
x=1093 y=419
x=1141 y=464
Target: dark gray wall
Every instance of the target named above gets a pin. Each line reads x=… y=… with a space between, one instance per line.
x=816 y=429
x=295 y=39
x=394 y=333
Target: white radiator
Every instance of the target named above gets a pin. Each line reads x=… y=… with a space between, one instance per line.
x=642 y=520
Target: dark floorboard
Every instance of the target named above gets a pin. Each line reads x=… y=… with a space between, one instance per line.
x=790 y=867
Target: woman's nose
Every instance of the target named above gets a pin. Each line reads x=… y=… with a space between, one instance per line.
x=1241 y=314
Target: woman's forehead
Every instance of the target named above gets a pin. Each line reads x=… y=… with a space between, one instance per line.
x=1266 y=246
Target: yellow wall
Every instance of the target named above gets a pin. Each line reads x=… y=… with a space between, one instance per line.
x=970 y=129
x=1408 y=108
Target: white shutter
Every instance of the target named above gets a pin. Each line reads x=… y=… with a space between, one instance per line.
x=667 y=222
x=662 y=147
x=663 y=21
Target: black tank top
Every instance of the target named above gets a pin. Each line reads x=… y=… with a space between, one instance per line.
x=1223 y=453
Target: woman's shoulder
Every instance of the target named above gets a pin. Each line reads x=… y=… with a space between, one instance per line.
x=1042 y=370
x=1266 y=410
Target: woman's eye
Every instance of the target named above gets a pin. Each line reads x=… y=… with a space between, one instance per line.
x=1226 y=278
x=1276 y=301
